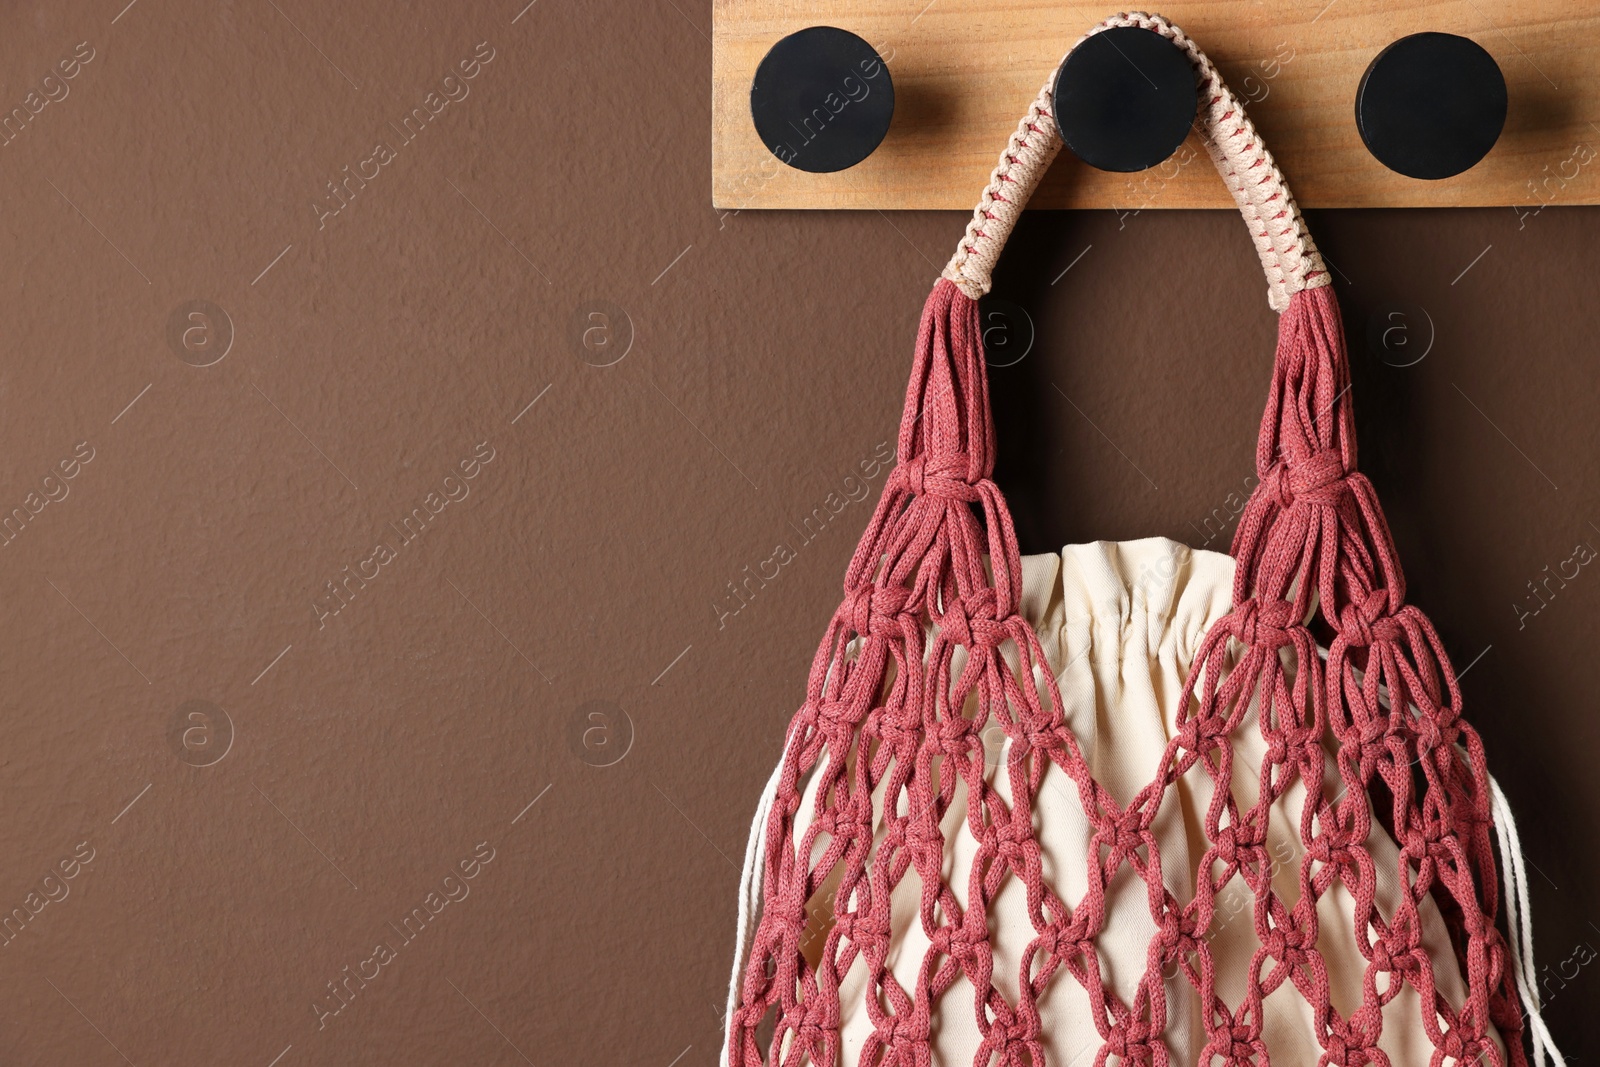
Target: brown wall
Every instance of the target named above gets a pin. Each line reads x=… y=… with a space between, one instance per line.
x=372 y=750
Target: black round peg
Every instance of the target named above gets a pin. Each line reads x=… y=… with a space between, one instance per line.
x=1431 y=105
x=1125 y=99
x=822 y=99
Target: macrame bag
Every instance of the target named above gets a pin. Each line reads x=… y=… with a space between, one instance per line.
x=1138 y=801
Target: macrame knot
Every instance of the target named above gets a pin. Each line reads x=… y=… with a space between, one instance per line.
x=969 y=621
x=1201 y=732
x=1354 y=1043
x=1130 y=1043
x=1382 y=959
x=1179 y=938
x=957 y=739
x=1358 y=622
x=1286 y=944
x=1378 y=744
x=905 y=1033
x=1048 y=939
x=909 y=475
x=811 y=1023
x=1015 y=1034
x=1227 y=845
x=1127 y=836
x=838 y=715
x=1316 y=479
x=877 y=610
x=827 y=823
x=1013 y=838
x=854 y=821
x=819 y=1019
x=864 y=928
x=1237 y=1045
x=1335 y=1053
x=943 y=476
x=1263 y=625
x=1174 y=937
x=1277 y=748
x=1459 y=1048
x=1329 y=847
x=1062 y=942
x=901 y=740
x=1302 y=746
x=1408 y=963
x=955 y=942
x=788 y=910
x=1429 y=736
x=1049 y=740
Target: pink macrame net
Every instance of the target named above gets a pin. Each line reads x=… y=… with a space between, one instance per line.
x=882 y=709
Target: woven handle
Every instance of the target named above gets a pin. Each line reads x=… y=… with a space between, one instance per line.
x=1288 y=255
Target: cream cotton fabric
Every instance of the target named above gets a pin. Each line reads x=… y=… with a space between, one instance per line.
x=1120 y=623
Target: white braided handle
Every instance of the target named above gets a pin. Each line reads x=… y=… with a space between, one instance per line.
x=1288 y=255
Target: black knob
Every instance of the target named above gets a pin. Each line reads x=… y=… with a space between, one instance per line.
x=822 y=99
x=1431 y=105
x=1125 y=99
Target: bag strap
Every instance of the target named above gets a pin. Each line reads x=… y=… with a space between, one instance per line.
x=1288 y=255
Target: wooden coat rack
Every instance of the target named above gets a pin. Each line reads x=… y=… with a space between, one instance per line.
x=965 y=70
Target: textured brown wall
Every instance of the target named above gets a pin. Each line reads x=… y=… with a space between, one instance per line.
x=563 y=611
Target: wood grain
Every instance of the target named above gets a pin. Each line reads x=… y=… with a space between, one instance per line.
x=965 y=72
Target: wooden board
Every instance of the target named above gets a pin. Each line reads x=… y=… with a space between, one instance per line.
x=965 y=71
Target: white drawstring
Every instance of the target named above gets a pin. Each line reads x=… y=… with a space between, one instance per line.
x=1519 y=923
x=755 y=851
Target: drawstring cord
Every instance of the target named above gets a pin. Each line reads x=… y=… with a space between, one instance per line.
x=1519 y=923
